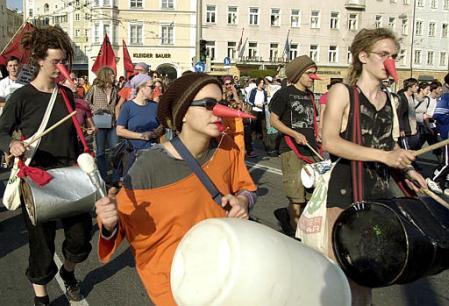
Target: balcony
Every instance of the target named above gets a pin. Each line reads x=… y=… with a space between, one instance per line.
x=358 y=5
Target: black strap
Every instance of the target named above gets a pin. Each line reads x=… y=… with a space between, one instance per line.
x=196 y=167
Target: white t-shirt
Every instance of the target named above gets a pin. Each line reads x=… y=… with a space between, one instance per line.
x=7 y=86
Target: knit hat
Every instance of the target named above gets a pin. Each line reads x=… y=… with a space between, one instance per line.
x=295 y=69
x=174 y=103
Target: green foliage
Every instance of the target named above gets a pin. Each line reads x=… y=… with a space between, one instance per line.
x=256 y=73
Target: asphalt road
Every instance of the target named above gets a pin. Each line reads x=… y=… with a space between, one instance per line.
x=118 y=284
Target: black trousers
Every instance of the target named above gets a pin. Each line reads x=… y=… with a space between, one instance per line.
x=76 y=246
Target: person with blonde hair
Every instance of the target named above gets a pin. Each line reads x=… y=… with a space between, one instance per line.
x=379 y=152
x=103 y=97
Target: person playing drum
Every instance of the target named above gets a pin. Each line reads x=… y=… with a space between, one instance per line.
x=23 y=113
x=380 y=151
x=162 y=198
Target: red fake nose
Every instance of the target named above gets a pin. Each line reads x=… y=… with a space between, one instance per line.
x=314 y=77
x=390 y=67
x=65 y=72
x=226 y=112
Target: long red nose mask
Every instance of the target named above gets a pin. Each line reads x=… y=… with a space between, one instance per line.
x=390 y=67
x=65 y=73
x=226 y=112
x=314 y=77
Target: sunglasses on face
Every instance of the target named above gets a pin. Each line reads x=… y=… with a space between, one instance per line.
x=208 y=103
x=228 y=84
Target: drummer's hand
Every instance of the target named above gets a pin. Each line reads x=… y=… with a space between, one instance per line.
x=416 y=177
x=17 y=148
x=398 y=158
x=300 y=138
x=107 y=214
x=238 y=206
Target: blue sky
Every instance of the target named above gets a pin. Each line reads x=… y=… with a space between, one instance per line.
x=12 y=4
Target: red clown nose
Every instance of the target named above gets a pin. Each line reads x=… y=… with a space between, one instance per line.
x=390 y=67
x=226 y=112
x=314 y=77
x=65 y=73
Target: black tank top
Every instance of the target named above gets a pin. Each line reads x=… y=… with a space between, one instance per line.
x=377 y=128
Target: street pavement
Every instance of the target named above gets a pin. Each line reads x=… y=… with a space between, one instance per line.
x=118 y=284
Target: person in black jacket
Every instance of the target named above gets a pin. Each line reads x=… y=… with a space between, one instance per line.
x=60 y=148
x=409 y=137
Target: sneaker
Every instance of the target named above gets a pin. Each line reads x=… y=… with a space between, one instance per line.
x=41 y=301
x=434 y=186
x=72 y=286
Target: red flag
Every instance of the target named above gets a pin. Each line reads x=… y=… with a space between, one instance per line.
x=127 y=63
x=105 y=57
x=13 y=48
x=240 y=41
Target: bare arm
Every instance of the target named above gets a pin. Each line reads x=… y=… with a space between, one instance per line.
x=118 y=106
x=281 y=127
x=123 y=132
x=336 y=110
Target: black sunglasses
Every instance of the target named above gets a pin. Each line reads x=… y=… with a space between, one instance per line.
x=208 y=103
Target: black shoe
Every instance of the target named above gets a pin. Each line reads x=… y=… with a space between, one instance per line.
x=284 y=220
x=272 y=154
x=41 y=300
x=72 y=285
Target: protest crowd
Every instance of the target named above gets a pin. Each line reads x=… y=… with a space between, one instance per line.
x=142 y=128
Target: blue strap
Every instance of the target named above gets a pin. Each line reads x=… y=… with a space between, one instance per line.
x=196 y=167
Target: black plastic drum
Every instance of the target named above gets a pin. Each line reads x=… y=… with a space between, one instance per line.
x=392 y=241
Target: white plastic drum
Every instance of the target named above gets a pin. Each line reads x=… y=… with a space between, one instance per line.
x=233 y=262
x=311 y=172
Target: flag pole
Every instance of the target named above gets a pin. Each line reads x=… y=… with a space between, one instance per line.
x=14 y=36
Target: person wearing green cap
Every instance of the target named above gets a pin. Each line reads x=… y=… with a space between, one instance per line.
x=293 y=114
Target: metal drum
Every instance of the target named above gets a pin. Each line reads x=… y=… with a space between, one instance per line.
x=392 y=241
x=69 y=193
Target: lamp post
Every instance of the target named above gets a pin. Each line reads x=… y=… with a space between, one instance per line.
x=413 y=38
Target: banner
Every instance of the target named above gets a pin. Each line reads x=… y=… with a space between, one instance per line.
x=13 y=47
x=127 y=63
x=105 y=57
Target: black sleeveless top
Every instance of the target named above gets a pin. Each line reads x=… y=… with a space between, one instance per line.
x=377 y=129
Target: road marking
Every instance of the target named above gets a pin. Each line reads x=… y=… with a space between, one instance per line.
x=254 y=166
x=58 y=262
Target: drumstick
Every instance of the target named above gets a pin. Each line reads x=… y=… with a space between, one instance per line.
x=438 y=199
x=431 y=148
x=314 y=152
x=50 y=128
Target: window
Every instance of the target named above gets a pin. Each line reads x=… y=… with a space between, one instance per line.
x=107 y=30
x=77 y=32
x=252 y=50
x=106 y=2
x=406 y=2
x=86 y=16
x=77 y=17
x=334 y=22
x=393 y=1
x=167 y=4
x=378 y=22
x=332 y=54
x=274 y=53
x=418 y=28
x=434 y=4
x=275 y=17
x=210 y=47
x=352 y=22
x=402 y=57
x=431 y=29
x=167 y=34
x=349 y=56
x=210 y=13
x=96 y=33
x=417 y=59
x=295 y=19
x=445 y=4
x=77 y=3
x=253 y=15
x=420 y=3
x=232 y=15
x=443 y=56
x=135 y=36
x=46 y=8
x=404 y=26
x=86 y=33
x=293 y=51
x=232 y=46
x=30 y=13
x=430 y=57
x=314 y=53
x=135 y=4
x=391 y=22
x=315 y=20
x=444 y=28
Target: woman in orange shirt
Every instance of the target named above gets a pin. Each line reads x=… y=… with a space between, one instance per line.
x=162 y=198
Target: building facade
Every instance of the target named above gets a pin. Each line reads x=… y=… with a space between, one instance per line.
x=273 y=32
x=3 y=25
